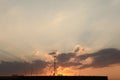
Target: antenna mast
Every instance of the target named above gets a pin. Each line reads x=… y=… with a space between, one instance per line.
x=53 y=54
x=54 y=73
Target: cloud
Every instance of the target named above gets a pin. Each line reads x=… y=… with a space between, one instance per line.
x=71 y=59
x=77 y=48
x=64 y=60
x=102 y=58
x=65 y=57
x=9 y=68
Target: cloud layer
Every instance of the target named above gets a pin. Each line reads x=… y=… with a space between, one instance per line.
x=9 y=68
x=103 y=58
x=99 y=59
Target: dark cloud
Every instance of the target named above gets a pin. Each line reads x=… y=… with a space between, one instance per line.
x=64 y=60
x=9 y=68
x=64 y=57
x=52 y=53
x=77 y=49
x=103 y=58
x=69 y=64
x=82 y=57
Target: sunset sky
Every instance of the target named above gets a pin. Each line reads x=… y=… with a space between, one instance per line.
x=86 y=34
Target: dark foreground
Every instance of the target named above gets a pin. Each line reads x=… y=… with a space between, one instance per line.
x=53 y=78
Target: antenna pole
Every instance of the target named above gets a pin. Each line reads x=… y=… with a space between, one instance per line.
x=54 y=74
x=54 y=62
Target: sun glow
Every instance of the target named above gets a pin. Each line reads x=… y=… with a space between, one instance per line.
x=66 y=71
x=60 y=71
